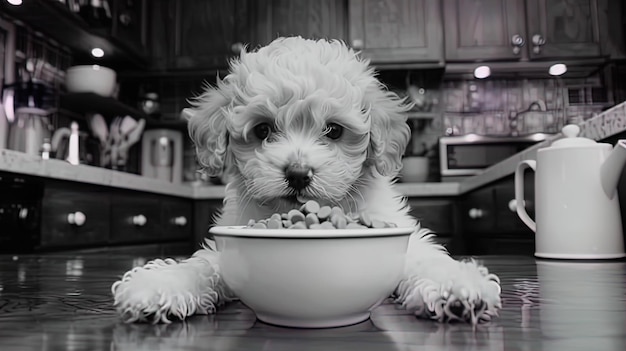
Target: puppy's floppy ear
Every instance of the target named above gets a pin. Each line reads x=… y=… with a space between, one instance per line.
x=389 y=132
x=208 y=127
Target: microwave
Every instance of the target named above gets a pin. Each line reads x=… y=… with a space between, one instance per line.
x=470 y=154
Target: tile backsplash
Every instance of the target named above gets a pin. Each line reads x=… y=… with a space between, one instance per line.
x=513 y=107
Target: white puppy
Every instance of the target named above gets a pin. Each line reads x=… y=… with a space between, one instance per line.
x=298 y=120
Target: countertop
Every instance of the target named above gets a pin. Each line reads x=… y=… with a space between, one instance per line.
x=63 y=301
x=606 y=124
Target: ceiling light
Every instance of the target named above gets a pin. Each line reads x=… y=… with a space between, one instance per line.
x=15 y=2
x=482 y=72
x=557 y=69
x=97 y=52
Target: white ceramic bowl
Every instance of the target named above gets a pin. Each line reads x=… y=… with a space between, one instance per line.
x=312 y=278
x=90 y=79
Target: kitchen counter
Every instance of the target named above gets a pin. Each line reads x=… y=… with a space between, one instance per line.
x=606 y=124
x=63 y=302
x=21 y=163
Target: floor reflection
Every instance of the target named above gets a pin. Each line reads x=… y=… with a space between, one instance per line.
x=63 y=302
x=583 y=305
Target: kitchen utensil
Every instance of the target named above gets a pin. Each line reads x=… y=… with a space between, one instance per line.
x=127 y=125
x=311 y=278
x=91 y=79
x=577 y=213
x=114 y=141
x=99 y=128
x=162 y=155
x=72 y=145
x=29 y=130
x=129 y=137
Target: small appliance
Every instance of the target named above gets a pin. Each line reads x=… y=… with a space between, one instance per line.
x=577 y=212
x=466 y=155
x=162 y=154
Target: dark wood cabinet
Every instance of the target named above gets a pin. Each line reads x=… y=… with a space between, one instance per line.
x=176 y=218
x=483 y=29
x=491 y=30
x=490 y=223
x=562 y=28
x=206 y=34
x=397 y=31
x=322 y=19
x=135 y=218
x=82 y=215
x=129 y=24
x=440 y=215
x=197 y=34
x=74 y=216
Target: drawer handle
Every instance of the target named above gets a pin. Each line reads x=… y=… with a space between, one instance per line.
x=140 y=220
x=77 y=218
x=180 y=221
x=476 y=213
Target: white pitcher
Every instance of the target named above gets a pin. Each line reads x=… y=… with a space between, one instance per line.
x=577 y=213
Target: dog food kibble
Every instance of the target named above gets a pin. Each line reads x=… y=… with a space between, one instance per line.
x=313 y=216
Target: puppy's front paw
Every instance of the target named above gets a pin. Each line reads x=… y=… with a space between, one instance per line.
x=465 y=292
x=163 y=290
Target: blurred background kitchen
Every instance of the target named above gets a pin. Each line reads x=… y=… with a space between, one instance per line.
x=102 y=83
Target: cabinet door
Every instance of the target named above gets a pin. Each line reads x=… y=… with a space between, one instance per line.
x=207 y=33
x=129 y=23
x=309 y=19
x=177 y=218
x=437 y=215
x=563 y=28
x=74 y=216
x=484 y=29
x=135 y=218
x=397 y=31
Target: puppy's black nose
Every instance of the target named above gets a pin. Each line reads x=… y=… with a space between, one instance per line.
x=298 y=176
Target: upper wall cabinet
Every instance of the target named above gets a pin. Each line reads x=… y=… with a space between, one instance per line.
x=489 y=30
x=320 y=19
x=196 y=34
x=205 y=34
x=397 y=31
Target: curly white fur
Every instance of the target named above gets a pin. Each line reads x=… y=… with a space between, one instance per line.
x=298 y=88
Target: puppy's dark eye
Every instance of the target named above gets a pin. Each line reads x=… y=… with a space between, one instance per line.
x=262 y=131
x=333 y=131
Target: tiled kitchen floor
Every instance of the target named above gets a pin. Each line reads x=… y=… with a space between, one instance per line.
x=62 y=301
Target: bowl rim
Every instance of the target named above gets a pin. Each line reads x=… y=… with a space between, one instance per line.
x=90 y=67
x=246 y=232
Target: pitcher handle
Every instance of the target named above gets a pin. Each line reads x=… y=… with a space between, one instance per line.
x=519 y=192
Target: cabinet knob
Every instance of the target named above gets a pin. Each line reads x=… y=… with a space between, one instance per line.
x=236 y=48
x=77 y=218
x=180 y=221
x=513 y=205
x=357 y=44
x=476 y=213
x=538 y=42
x=139 y=220
x=126 y=18
x=517 y=41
